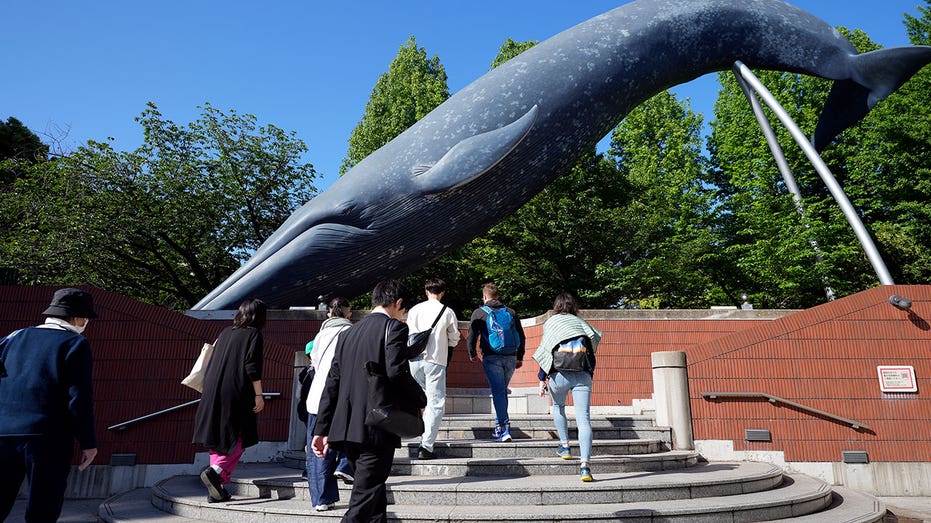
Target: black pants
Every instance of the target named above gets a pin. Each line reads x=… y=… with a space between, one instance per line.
x=46 y=461
x=368 y=502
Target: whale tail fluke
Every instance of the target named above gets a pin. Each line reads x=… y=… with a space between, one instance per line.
x=875 y=75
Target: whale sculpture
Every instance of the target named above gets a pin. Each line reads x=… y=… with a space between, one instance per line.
x=488 y=149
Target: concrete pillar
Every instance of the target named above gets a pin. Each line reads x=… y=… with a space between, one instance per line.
x=671 y=397
x=297 y=431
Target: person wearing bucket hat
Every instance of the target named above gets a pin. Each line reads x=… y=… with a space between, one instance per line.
x=46 y=402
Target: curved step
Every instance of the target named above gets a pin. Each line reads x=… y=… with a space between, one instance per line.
x=704 y=480
x=540 y=426
x=798 y=495
x=520 y=466
x=532 y=448
x=847 y=506
x=518 y=448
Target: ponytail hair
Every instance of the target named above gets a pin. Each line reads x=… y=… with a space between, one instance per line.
x=339 y=307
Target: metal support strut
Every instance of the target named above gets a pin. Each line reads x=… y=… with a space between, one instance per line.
x=744 y=75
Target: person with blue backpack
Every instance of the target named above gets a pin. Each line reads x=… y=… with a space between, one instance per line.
x=497 y=330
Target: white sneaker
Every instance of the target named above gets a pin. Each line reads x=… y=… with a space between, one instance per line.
x=322 y=508
x=347 y=479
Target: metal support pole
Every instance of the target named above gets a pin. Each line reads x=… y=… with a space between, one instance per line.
x=783 y=165
x=869 y=247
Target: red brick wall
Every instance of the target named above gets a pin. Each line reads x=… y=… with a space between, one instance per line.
x=825 y=357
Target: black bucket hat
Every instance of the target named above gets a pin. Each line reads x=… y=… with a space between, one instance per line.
x=71 y=303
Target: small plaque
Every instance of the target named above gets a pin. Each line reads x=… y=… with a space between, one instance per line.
x=897 y=378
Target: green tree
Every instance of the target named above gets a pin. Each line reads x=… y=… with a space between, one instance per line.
x=918 y=28
x=413 y=86
x=17 y=142
x=769 y=244
x=666 y=258
x=886 y=162
x=165 y=223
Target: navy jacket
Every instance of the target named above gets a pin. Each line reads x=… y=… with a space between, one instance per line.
x=47 y=387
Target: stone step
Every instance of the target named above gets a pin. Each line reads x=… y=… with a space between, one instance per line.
x=135 y=506
x=544 y=421
x=540 y=426
x=847 y=506
x=510 y=460
x=796 y=496
x=531 y=448
x=517 y=466
x=535 y=448
x=702 y=480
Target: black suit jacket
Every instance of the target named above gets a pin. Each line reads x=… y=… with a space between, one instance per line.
x=343 y=405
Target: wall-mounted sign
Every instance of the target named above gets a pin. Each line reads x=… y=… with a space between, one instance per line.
x=897 y=378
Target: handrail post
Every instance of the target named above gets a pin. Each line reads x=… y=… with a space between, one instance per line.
x=297 y=429
x=671 y=397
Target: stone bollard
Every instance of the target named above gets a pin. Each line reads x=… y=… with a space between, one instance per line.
x=671 y=397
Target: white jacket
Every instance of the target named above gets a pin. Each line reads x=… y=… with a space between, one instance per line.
x=445 y=334
x=322 y=356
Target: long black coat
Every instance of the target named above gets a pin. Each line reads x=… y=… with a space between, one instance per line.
x=341 y=415
x=225 y=410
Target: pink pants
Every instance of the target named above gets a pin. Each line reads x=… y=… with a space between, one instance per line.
x=227 y=462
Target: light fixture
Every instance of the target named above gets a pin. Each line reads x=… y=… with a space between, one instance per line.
x=900 y=302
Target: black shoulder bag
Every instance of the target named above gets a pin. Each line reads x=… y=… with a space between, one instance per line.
x=417 y=342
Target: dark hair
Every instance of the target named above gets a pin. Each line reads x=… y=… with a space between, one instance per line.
x=435 y=286
x=339 y=306
x=565 y=303
x=251 y=313
x=386 y=292
x=491 y=290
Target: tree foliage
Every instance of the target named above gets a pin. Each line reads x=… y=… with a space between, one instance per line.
x=165 y=223
x=667 y=257
x=17 y=142
x=412 y=87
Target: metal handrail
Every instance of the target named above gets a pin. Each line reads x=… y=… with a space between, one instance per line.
x=776 y=399
x=123 y=425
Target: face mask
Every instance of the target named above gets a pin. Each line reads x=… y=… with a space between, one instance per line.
x=80 y=329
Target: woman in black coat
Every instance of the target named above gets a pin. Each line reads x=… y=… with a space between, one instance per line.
x=226 y=417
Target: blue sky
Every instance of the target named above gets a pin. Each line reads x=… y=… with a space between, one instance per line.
x=88 y=68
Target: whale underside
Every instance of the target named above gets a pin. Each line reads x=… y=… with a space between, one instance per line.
x=491 y=147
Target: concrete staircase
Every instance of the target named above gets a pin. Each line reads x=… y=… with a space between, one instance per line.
x=476 y=480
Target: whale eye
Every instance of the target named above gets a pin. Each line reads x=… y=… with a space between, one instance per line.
x=345 y=208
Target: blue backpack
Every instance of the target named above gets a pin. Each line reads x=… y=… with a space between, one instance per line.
x=502 y=334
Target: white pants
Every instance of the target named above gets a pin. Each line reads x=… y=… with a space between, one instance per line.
x=432 y=379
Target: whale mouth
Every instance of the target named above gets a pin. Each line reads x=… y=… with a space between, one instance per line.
x=297 y=258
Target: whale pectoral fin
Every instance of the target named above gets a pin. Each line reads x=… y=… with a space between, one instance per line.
x=474 y=156
x=875 y=75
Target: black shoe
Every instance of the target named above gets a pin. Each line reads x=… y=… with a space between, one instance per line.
x=425 y=454
x=214 y=484
x=225 y=498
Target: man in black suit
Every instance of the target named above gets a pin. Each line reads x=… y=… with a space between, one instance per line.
x=380 y=338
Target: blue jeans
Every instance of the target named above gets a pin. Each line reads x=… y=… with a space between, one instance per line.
x=320 y=480
x=580 y=383
x=432 y=379
x=498 y=370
